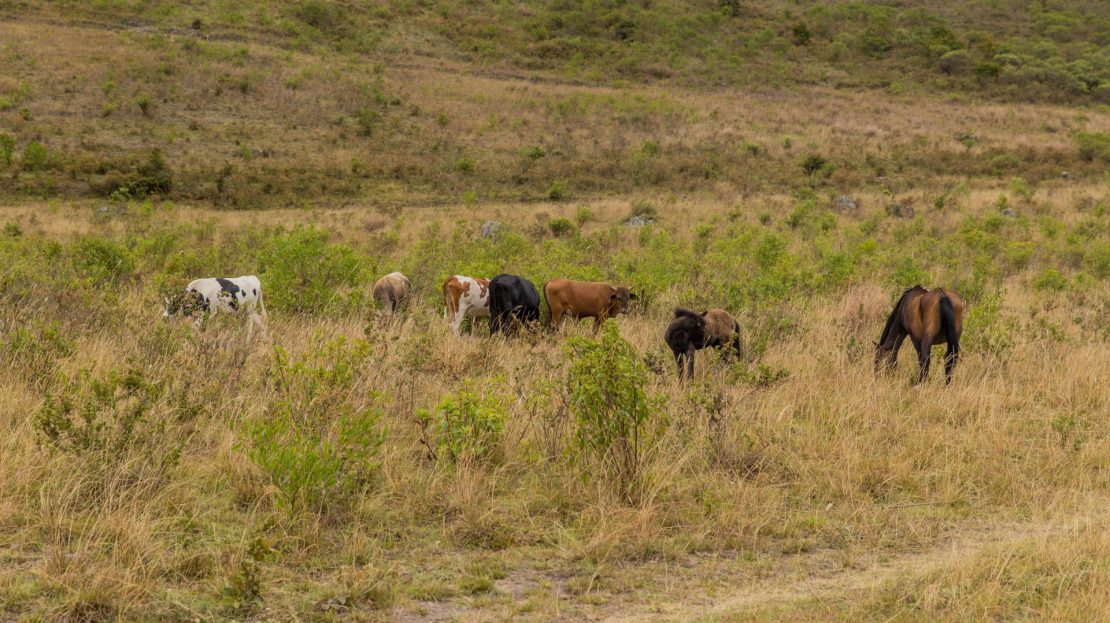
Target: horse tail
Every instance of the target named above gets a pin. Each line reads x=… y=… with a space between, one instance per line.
x=948 y=323
x=894 y=315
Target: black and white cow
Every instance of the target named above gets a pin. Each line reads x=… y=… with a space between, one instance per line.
x=207 y=297
x=513 y=301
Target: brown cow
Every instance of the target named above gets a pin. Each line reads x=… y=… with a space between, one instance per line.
x=585 y=299
x=390 y=291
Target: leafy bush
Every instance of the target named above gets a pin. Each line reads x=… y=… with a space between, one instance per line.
x=813 y=164
x=7 y=148
x=1050 y=280
x=611 y=409
x=557 y=191
x=955 y=62
x=105 y=414
x=102 y=260
x=320 y=437
x=36 y=157
x=562 y=227
x=37 y=349
x=303 y=272
x=465 y=164
x=468 y=424
x=1093 y=146
x=987 y=328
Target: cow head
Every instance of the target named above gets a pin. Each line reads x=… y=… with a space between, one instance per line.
x=185 y=304
x=619 y=299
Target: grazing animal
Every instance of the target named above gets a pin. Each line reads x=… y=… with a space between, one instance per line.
x=513 y=300
x=390 y=291
x=585 y=299
x=465 y=296
x=690 y=331
x=927 y=317
x=207 y=297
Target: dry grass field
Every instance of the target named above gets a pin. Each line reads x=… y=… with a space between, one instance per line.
x=351 y=467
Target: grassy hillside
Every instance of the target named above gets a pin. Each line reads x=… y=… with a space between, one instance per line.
x=353 y=468
x=276 y=104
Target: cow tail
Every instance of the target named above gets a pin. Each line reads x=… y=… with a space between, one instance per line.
x=547 y=301
x=262 y=307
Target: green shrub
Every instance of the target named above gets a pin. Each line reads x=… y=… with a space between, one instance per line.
x=611 y=409
x=562 y=227
x=987 y=328
x=557 y=191
x=37 y=349
x=1050 y=280
x=813 y=164
x=320 y=437
x=7 y=148
x=367 y=120
x=468 y=424
x=465 y=164
x=955 y=62
x=535 y=153
x=1093 y=146
x=583 y=215
x=103 y=414
x=36 y=157
x=303 y=272
x=102 y=260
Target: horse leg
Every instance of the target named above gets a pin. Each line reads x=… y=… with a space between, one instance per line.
x=951 y=356
x=925 y=353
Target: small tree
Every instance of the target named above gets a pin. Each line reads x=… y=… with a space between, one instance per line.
x=611 y=408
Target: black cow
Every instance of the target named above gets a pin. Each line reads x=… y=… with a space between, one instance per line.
x=513 y=300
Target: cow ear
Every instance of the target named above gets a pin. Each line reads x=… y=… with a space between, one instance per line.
x=705 y=312
x=631 y=297
x=613 y=296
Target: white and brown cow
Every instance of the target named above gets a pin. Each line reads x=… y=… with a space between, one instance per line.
x=465 y=296
x=228 y=295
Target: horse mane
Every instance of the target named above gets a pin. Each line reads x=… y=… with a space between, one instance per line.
x=894 y=314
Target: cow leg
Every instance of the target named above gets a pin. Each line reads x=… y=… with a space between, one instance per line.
x=250 y=327
x=459 y=316
x=690 y=363
x=556 y=318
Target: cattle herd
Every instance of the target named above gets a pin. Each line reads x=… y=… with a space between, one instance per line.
x=512 y=302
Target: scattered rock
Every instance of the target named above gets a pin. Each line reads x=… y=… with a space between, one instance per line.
x=490 y=230
x=899 y=210
x=844 y=203
x=638 y=221
x=1009 y=213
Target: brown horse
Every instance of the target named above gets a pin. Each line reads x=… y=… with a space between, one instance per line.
x=927 y=317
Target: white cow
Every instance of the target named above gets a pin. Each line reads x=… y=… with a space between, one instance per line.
x=465 y=296
x=207 y=297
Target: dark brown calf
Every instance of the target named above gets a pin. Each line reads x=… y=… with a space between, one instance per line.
x=585 y=299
